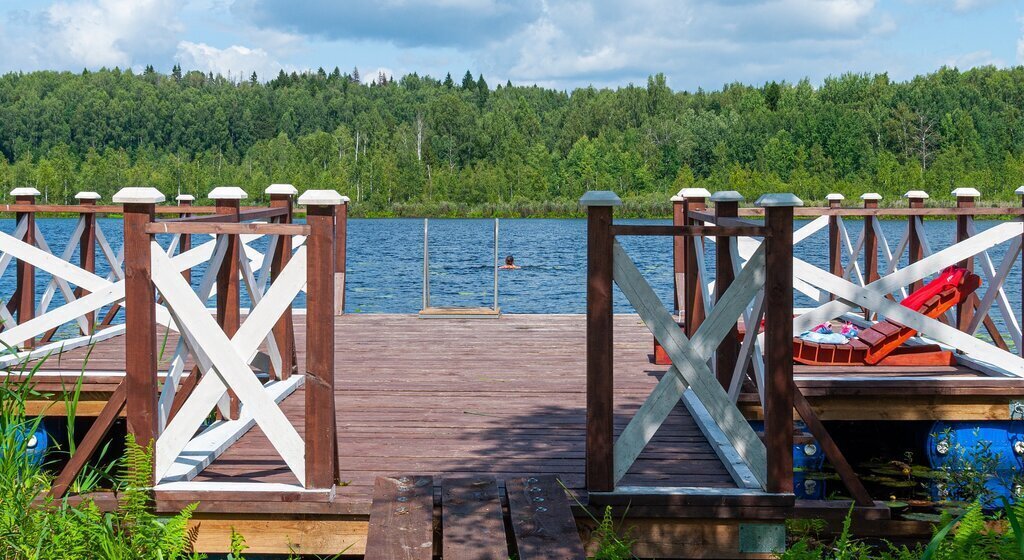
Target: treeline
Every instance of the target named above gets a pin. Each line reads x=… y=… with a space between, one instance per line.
x=419 y=144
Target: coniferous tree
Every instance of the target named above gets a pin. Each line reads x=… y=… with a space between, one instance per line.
x=468 y=82
x=355 y=75
x=448 y=82
x=176 y=73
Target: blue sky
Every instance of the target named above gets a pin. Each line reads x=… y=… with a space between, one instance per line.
x=554 y=43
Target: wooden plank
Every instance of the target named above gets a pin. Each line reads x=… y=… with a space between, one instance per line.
x=778 y=347
x=728 y=350
x=140 y=325
x=737 y=468
x=542 y=519
x=600 y=350
x=168 y=227
x=90 y=443
x=401 y=519
x=471 y=519
x=690 y=230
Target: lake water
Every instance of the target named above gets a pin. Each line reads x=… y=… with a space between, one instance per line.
x=385 y=261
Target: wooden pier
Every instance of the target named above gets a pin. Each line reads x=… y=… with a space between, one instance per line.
x=326 y=424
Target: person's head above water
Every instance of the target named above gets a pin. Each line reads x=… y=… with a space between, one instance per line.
x=510 y=260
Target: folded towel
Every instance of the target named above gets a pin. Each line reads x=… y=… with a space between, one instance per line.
x=821 y=338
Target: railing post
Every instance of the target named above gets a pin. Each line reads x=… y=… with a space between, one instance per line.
x=678 y=255
x=835 y=240
x=185 y=241
x=778 y=343
x=227 y=201
x=282 y=196
x=965 y=197
x=1020 y=192
x=695 y=200
x=600 y=465
x=870 y=243
x=727 y=205
x=915 y=249
x=140 y=312
x=340 y=255
x=87 y=247
x=321 y=431
x=25 y=272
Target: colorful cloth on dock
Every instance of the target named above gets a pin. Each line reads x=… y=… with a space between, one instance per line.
x=822 y=338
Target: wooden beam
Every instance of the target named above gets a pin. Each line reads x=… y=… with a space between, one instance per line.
x=778 y=345
x=340 y=257
x=693 y=283
x=690 y=230
x=228 y=289
x=401 y=519
x=471 y=519
x=321 y=429
x=600 y=354
x=90 y=443
x=542 y=519
x=284 y=329
x=25 y=272
x=87 y=257
x=728 y=350
x=227 y=228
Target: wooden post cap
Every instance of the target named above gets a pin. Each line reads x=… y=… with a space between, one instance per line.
x=322 y=197
x=727 y=196
x=1020 y=190
x=966 y=192
x=185 y=198
x=916 y=195
x=24 y=191
x=600 y=198
x=139 y=195
x=282 y=188
x=227 y=193
x=776 y=200
x=690 y=192
x=832 y=197
x=88 y=195
x=871 y=196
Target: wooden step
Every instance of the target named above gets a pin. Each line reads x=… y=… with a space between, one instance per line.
x=472 y=523
x=401 y=519
x=542 y=519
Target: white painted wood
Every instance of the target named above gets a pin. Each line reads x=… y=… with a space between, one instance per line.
x=243 y=346
x=19 y=233
x=8 y=360
x=738 y=470
x=752 y=320
x=706 y=286
x=994 y=282
x=682 y=491
x=689 y=361
x=69 y=251
x=891 y=260
x=876 y=301
x=256 y=295
x=996 y=278
x=51 y=264
x=202 y=450
x=65 y=289
x=809 y=229
x=116 y=262
x=853 y=264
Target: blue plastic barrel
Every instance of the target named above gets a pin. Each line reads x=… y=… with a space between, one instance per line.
x=958 y=444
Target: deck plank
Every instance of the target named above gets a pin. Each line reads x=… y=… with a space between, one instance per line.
x=401 y=519
x=471 y=519
x=542 y=520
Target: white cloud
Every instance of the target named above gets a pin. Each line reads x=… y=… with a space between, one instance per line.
x=970 y=60
x=236 y=60
x=92 y=33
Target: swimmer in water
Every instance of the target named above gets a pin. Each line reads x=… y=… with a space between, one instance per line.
x=510 y=263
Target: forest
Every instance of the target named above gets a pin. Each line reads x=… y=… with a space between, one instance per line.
x=418 y=145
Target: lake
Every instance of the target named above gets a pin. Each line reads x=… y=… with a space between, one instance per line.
x=385 y=261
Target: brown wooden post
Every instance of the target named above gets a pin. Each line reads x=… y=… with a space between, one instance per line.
x=340 y=255
x=1020 y=192
x=321 y=428
x=915 y=248
x=185 y=241
x=140 y=313
x=870 y=243
x=87 y=247
x=282 y=196
x=227 y=201
x=965 y=197
x=25 y=272
x=695 y=200
x=678 y=255
x=835 y=238
x=600 y=467
x=727 y=205
x=778 y=344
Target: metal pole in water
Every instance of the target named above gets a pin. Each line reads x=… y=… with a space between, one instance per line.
x=495 y=264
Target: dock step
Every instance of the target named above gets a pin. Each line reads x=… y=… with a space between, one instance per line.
x=472 y=519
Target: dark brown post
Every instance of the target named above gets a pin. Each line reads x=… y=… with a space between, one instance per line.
x=727 y=205
x=282 y=196
x=140 y=312
x=694 y=200
x=185 y=241
x=778 y=344
x=227 y=201
x=965 y=197
x=870 y=243
x=87 y=247
x=321 y=430
x=340 y=256
x=678 y=254
x=600 y=467
x=915 y=249
x=25 y=272
x=835 y=240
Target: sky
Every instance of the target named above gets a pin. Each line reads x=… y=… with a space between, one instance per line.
x=562 y=44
